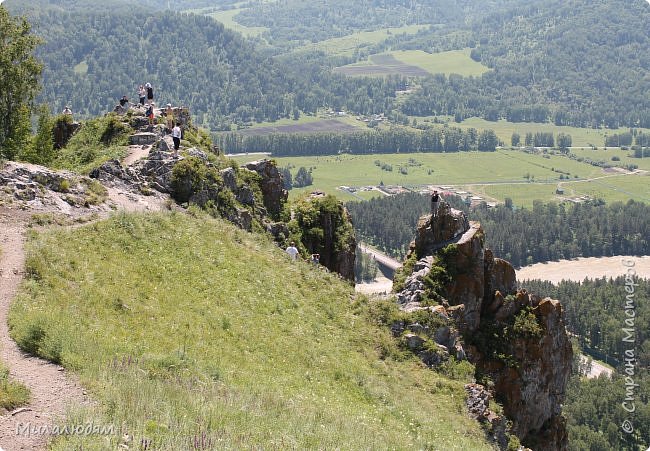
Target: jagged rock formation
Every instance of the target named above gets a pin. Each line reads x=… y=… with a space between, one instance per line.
x=478 y=401
x=514 y=337
x=338 y=257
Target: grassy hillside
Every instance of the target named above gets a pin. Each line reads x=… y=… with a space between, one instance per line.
x=195 y=335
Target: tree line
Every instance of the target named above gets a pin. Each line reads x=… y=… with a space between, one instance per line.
x=522 y=236
x=389 y=140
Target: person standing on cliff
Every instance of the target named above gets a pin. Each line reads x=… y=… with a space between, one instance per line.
x=149 y=89
x=435 y=201
x=169 y=115
x=142 y=94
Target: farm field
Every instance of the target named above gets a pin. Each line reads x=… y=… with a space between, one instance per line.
x=346 y=45
x=416 y=63
x=496 y=175
x=614 y=188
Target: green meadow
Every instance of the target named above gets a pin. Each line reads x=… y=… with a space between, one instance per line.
x=346 y=45
x=606 y=154
x=450 y=62
x=505 y=173
x=227 y=18
x=192 y=334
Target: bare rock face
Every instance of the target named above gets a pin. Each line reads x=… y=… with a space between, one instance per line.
x=37 y=188
x=272 y=186
x=514 y=337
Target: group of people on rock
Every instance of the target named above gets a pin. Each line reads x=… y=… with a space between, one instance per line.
x=145 y=99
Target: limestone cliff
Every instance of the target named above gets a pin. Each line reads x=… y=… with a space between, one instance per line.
x=517 y=341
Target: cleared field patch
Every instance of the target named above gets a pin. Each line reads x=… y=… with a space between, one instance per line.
x=522 y=194
x=416 y=63
x=451 y=62
x=346 y=45
x=81 y=68
x=382 y=65
x=614 y=188
x=331 y=125
x=227 y=18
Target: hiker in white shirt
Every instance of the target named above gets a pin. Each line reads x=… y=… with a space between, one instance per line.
x=176 y=136
x=292 y=251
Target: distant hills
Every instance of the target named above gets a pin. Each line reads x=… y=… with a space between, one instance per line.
x=576 y=62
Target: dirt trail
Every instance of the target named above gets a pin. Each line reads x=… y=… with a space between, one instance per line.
x=52 y=389
x=135 y=153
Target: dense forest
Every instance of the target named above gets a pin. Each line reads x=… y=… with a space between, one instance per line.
x=391 y=140
x=572 y=59
x=595 y=414
x=91 y=59
x=522 y=236
x=297 y=21
x=595 y=311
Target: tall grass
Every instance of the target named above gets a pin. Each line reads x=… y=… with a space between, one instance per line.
x=192 y=334
x=12 y=393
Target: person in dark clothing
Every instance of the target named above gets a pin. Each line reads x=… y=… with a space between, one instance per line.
x=435 y=201
x=149 y=93
x=124 y=101
x=150 y=114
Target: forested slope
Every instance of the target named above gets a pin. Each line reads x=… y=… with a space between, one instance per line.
x=578 y=62
x=92 y=58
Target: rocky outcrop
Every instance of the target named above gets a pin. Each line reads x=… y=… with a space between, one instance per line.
x=515 y=338
x=63 y=129
x=275 y=196
x=478 y=407
x=39 y=189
